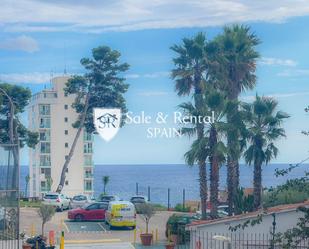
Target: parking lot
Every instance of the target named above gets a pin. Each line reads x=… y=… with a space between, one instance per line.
x=90 y=231
x=94 y=226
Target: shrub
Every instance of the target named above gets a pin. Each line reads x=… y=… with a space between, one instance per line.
x=146 y=212
x=179 y=208
x=46 y=213
x=288 y=196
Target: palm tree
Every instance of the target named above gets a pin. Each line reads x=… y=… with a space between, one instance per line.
x=216 y=103
x=210 y=145
x=190 y=77
x=27 y=179
x=237 y=65
x=105 y=180
x=264 y=128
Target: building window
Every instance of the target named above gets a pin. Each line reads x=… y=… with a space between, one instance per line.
x=44 y=109
x=88 y=173
x=44 y=135
x=43 y=186
x=66 y=157
x=66 y=132
x=45 y=147
x=66 y=119
x=87 y=147
x=67 y=170
x=66 y=107
x=44 y=122
x=45 y=160
x=88 y=186
x=66 y=145
x=87 y=136
x=66 y=183
x=46 y=172
x=88 y=160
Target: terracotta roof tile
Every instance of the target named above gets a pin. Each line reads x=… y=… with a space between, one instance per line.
x=276 y=209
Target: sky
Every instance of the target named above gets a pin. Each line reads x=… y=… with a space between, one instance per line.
x=39 y=39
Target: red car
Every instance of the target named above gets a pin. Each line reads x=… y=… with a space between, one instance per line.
x=93 y=211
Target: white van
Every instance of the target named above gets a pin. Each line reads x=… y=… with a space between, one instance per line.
x=121 y=214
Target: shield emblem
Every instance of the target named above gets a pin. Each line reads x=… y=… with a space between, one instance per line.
x=107 y=122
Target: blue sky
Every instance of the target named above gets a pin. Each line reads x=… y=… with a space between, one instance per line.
x=40 y=37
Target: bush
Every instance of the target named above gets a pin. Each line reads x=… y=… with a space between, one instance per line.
x=288 y=196
x=176 y=226
x=179 y=208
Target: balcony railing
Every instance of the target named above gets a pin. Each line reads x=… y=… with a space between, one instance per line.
x=88 y=175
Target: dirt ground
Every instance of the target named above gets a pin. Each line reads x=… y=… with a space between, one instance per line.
x=30 y=223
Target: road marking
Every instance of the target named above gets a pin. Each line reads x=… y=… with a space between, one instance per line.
x=65 y=226
x=104 y=230
x=92 y=241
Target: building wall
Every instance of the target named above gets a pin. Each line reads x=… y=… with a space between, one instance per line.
x=257 y=234
x=62 y=115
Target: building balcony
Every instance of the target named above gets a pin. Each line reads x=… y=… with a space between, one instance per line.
x=45 y=189
x=88 y=175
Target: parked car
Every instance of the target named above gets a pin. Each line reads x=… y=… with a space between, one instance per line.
x=108 y=198
x=138 y=199
x=93 y=211
x=79 y=201
x=121 y=214
x=59 y=201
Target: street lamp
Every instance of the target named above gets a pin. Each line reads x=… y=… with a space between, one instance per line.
x=224 y=239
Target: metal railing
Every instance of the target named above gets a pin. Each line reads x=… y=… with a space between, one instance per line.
x=209 y=240
x=9 y=197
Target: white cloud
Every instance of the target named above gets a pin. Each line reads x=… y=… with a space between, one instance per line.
x=294 y=73
x=278 y=62
x=276 y=95
x=124 y=15
x=148 y=75
x=21 y=43
x=27 y=78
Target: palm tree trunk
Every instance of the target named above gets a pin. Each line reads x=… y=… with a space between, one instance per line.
x=257 y=184
x=232 y=159
x=67 y=161
x=202 y=161
x=214 y=187
x=203 y=188
x=214 y=174
x=230 y=186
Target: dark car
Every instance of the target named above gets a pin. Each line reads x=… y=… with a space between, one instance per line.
x=94 y=211
x=138 y=199
x=108 y=198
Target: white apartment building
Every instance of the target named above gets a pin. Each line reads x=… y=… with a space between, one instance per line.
x=51 y=115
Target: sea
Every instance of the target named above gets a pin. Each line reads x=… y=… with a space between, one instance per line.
x=172 y=178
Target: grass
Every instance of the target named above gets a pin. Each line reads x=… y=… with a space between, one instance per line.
x=30 y=204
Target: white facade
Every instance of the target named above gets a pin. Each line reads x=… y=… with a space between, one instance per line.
x=51 y=115
x=280 y=218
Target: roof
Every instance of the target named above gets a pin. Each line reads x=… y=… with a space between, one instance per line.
x=268 y=211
